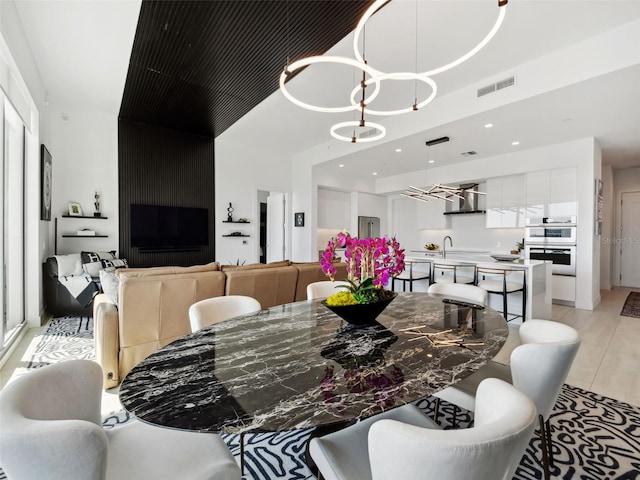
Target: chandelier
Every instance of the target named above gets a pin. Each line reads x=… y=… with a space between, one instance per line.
x=369 y=88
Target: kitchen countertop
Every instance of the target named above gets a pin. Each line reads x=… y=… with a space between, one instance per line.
x=466 y=256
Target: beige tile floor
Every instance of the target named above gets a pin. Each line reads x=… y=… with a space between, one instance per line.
x=608 y=361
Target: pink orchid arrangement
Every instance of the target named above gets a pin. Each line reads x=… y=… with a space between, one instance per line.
x=371 y=262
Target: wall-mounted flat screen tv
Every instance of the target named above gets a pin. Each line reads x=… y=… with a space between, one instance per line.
x=162 y=227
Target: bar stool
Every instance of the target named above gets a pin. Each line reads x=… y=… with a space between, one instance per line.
x=453 y=273
x=412 y=276
x=494 y=280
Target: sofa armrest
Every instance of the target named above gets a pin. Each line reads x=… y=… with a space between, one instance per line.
x=107 y=344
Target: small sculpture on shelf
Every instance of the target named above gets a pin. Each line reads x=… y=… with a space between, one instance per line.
x=230 y=213
x=96 y=204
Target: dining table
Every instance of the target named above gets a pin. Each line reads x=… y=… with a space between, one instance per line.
x=299 y=365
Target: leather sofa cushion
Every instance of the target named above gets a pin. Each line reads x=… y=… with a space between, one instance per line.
x=270 y=286
x=160 y=304
x=151 y=271
x=255 y=266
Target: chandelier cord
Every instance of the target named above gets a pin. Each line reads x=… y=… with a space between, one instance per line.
x=415 y=82
x=363 y=84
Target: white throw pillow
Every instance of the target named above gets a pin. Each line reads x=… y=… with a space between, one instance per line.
x=110 y=283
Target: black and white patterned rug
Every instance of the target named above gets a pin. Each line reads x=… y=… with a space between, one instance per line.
x=594 y=437
x=631 y=307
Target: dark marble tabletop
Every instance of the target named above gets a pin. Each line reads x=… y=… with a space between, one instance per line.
x=299 y=365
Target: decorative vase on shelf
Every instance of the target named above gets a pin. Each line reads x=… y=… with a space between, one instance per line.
x=96 y=204
x=230 y=213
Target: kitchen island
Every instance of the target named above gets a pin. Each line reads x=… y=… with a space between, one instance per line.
x=537 y=274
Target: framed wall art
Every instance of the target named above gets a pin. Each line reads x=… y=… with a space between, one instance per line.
x=45 y=184
x=75 y=210
x=599 y=199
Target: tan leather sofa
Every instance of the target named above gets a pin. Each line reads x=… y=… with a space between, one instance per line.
x=153 y=304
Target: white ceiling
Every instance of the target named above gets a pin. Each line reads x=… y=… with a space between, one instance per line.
x=82 y=49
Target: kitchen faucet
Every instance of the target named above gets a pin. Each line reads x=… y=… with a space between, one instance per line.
x=444 y=245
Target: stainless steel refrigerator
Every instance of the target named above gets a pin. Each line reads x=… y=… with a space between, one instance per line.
x=368 y=227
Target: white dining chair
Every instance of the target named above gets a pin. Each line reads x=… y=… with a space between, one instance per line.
x=538 y=367
x=325 y=288
x=218 y=309
x=51 y=428
x=391 y=449
x=462 y=291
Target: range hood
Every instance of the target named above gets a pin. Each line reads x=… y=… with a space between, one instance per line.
x=468 y=200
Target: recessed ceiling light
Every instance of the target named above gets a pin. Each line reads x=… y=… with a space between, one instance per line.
x=375 y=173
x=398 y=150
x=488 y=125
x=341 y=165
x=515 y=143
x=432 y=161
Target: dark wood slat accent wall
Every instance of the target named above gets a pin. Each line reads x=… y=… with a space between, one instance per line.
x=199 y=66
x=157 y=166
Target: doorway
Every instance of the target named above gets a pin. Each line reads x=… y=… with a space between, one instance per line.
x=272 y=231
x=630 y=240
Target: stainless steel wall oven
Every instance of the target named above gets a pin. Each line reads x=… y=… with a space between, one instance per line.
x=550 y=231
x=562 y=256
x=552 y=239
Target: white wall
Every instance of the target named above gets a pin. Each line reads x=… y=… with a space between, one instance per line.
x=241 y=171
x=608 y=220
x=403 y=214
x=84 y=151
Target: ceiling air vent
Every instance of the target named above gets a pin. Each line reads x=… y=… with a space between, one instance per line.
x=469 y=153
x=494 y=87
x=368 y=133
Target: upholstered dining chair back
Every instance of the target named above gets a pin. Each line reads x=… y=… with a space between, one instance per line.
x=325 y=288
x=51 y=425
x=51 y=429
x=541 y=364
x=491 y=450
x=218 y=309
x=463 y=291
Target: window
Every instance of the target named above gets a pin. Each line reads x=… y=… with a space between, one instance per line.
x=12 y=139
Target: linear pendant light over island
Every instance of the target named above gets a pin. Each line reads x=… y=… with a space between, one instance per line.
x=467 y=194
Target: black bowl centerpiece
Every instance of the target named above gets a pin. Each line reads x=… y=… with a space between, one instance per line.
x=371 y=262
x=362 y=313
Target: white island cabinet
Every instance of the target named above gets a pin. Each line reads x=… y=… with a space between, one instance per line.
x=537 y=273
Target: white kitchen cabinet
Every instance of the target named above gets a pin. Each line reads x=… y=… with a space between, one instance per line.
x=552 y=193
x=506 y=202
x=563 y=288
x=430 y=215
x=563 y=192
x=494 y=203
